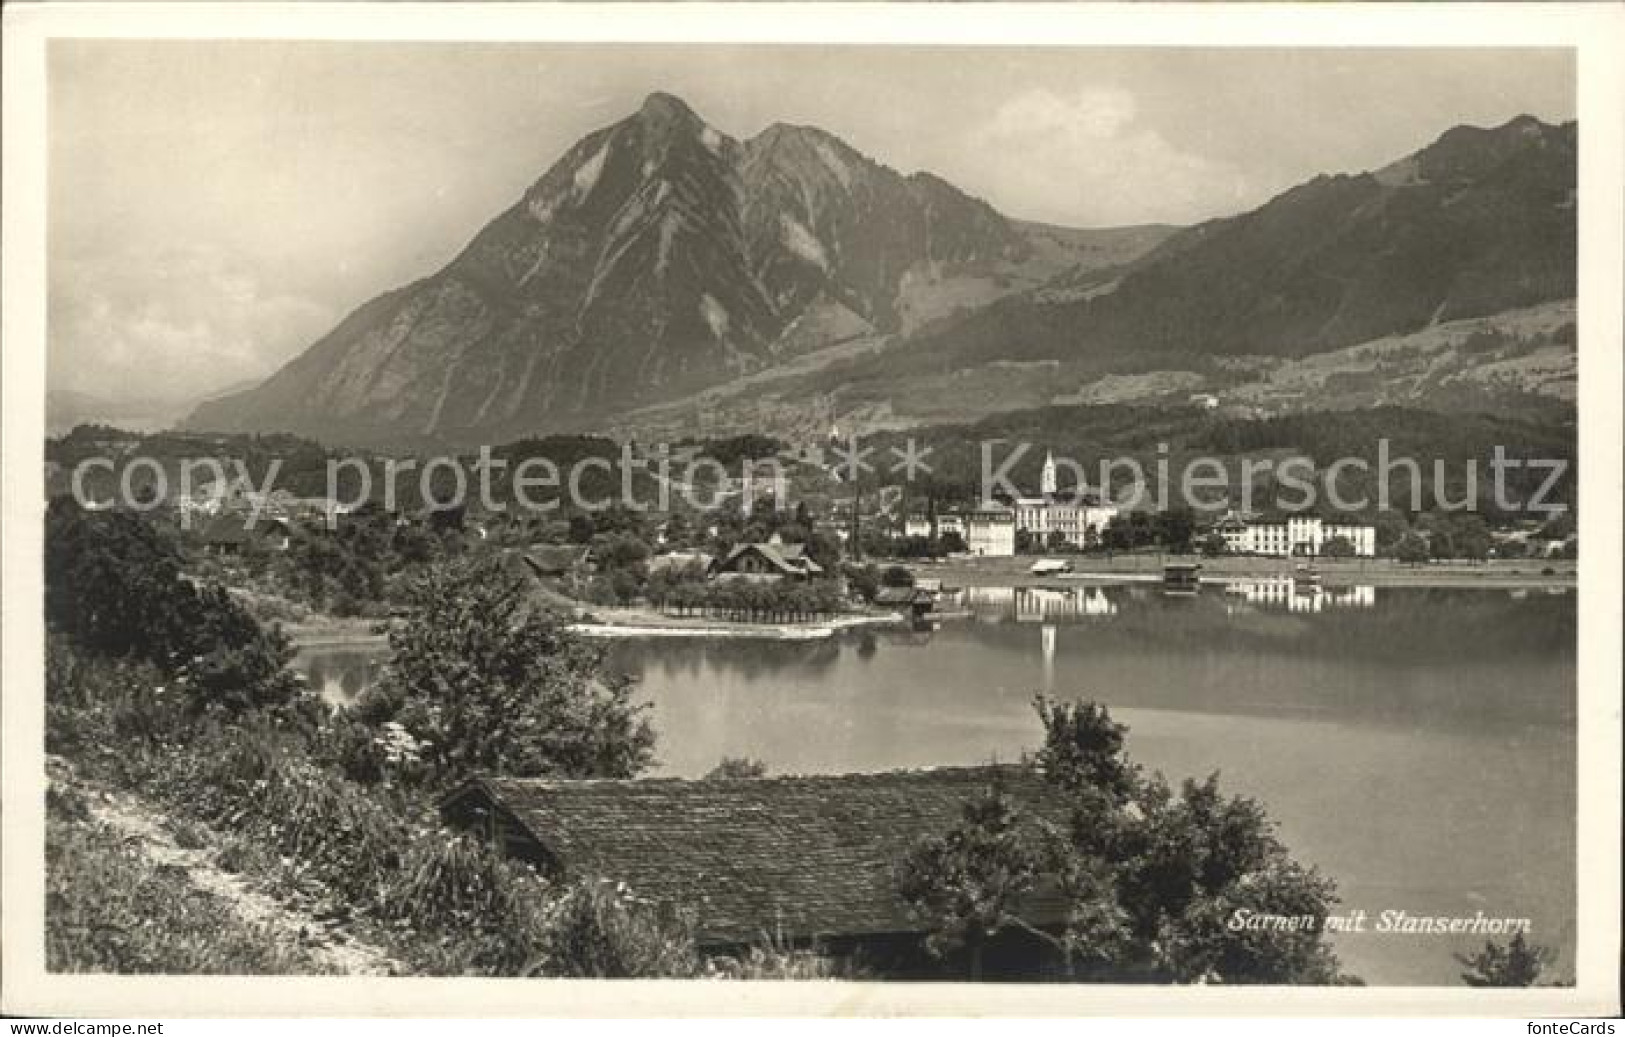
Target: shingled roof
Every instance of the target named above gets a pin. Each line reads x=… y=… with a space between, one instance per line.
x=556 y=559
x=787 y=559
x=810 y=856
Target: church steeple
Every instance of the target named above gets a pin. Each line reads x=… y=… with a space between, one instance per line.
x=1046 y=481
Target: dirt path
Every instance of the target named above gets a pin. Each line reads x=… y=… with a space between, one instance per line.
x=321 y=940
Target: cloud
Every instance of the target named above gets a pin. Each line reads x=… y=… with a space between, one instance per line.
x=169 y=323
x=1089 y=159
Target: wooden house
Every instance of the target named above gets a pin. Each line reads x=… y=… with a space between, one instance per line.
x=234 y=533
x=770 y=560
x=1181 y=578
x=806 y=860
x=918 y=601
x=558 y=561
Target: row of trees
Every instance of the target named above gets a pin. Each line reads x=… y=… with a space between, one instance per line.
x=756 y=602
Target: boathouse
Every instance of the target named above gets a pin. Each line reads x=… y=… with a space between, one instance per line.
x=1181 y=578
x=808 y=860
x=918 y=601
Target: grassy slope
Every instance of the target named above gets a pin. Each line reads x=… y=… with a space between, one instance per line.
x=110 y=908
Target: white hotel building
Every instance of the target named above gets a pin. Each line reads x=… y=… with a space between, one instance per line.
x=1080 y=520
x=1298 y=535
x=990 y=529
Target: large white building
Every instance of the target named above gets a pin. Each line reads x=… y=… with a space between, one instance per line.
x=1079 y=519
x=990 y=529
x=1297 y=535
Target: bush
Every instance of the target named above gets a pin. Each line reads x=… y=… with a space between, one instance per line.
x=774 y=958
x=482 y=682
x=600 y=930
x=488 y=911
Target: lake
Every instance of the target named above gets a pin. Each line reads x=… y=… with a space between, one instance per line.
x=1418 y=745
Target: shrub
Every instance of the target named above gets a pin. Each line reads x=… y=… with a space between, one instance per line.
x=599 y=930
x=775 y=958
x=484 y=683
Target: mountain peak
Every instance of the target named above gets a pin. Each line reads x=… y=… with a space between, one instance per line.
x=667 y=107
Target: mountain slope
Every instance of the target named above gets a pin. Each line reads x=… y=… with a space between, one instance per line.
x=1478 y=222
x=1481 y=222
x=656 y=258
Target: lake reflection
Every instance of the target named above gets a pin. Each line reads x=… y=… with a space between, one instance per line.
x=1416 y=744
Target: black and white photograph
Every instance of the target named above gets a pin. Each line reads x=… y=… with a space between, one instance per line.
x=816 y=515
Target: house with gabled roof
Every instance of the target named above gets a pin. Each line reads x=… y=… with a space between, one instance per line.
x=555 y=561
x=804 y=860
x=234 y=533
x=772 y=559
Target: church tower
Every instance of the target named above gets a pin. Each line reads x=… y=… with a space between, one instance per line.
x=1046 y=481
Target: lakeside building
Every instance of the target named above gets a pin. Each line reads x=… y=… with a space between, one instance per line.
x=941 y=525
x=990 y=529
x=1298 y=535
x=771 y=560
x=233 y=534
x=809 y=859
x=1080 y=518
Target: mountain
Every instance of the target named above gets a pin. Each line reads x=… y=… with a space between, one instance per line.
x=658 y=257
x=1479 y=223
x=67 y=408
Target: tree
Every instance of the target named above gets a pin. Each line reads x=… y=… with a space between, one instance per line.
x=1174 y=528
x=1150 y=877
x=1412 y=549
x=113 y=584
x=1083 y=749
x=864 y=581
x=1214 y=545
x=622 y=552
x=953 y=543
x=1471 y=537
x=738 y=767
x=582 y=528
x=967 y=884
x=1197 y=860
x=490 y=684
x=824 y=549
x=1391 y=528
x=1338 y=547
x=1517 y=964
x=897 y=576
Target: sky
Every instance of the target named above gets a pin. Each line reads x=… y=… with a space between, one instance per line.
x=217 y=206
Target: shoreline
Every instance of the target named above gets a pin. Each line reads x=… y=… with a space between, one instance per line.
x=732 y=630
x=1008 y=572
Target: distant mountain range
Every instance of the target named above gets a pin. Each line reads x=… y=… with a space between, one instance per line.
x=657 y=257
x=66 y=408
x=662 y=276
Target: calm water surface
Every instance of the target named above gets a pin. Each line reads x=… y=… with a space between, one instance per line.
x=1416 y=744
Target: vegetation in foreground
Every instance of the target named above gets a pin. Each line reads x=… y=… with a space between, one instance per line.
x=110 y=909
